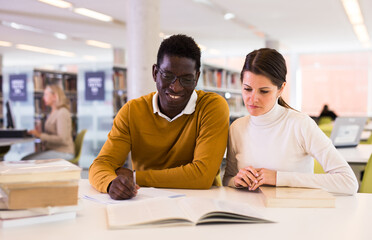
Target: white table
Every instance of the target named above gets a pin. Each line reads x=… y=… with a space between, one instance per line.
x=351 y=219
x=359 y=154
x=11 y=141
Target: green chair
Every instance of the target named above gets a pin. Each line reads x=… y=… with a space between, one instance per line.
x=317 y=167
x=326 y=128
x=325 y=120
x=366 y=185
x=78 y=146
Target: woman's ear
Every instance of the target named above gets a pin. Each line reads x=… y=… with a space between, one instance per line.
x=281 y=89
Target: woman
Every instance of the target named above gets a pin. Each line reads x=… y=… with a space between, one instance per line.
x=276 y=144
x=57 y=135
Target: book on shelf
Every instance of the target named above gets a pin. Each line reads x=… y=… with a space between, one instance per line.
x=37 y=171
x=39 y=194
x=17 y=222
x=292 y=197
x=157 y=212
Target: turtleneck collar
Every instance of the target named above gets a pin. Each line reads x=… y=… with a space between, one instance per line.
x=270 y=117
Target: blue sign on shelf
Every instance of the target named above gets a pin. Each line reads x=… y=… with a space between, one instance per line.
x=18 y=87
x=95 y=86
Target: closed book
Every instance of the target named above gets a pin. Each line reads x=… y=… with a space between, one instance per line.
x=16 y=222
x=38 y=171
x=41 y=194
x=33 y=212
x=161 y=212
x=293 y=197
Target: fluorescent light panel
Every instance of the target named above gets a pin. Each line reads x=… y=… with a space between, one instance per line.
x=98 y=44
x=57 y=3
x=355 y=16
x=45 y=50
x=93 y=14
x=5 y=44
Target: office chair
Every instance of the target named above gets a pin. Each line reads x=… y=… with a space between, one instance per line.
x=317 y=167
x=326 y=128
x=325 y=120
x=78 y=146
x=366 y=185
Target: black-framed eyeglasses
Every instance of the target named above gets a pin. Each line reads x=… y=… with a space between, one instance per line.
x=168 y=77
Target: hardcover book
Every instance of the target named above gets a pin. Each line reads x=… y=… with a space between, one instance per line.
x=292 y=197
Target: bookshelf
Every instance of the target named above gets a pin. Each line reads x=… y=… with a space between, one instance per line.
x=120 y=97
x=1 y=102
x=226 y=83
x=68 y=82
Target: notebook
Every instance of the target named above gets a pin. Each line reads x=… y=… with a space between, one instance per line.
x=347 y=131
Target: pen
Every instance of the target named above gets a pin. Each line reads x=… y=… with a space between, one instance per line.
x=134 y=177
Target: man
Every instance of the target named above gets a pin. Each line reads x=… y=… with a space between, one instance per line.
x=177 y=136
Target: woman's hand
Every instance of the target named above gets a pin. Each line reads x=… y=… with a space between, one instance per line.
x=265 y=177
x=246 y=177
x=35 y=133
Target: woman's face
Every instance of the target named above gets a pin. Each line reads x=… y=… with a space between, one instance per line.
x=259 y=93
x=49 y=97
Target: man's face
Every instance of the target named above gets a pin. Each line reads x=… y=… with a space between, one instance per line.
x=176 y=79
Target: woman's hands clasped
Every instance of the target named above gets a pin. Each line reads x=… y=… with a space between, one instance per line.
x=252 y=178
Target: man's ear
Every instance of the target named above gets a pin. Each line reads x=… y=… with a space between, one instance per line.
x=154 y=71
x=197 y=78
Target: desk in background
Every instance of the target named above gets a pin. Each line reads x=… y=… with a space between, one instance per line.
x=359 y=154
x=349 y=220
x=5 y=144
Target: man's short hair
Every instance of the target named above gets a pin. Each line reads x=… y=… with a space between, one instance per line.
x=180 y=46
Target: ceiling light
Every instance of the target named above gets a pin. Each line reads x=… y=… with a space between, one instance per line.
x=214 y=51
x=98 y=44
x=229 y=16
x=352 y=10
x=93 y=14
x=5 y=44
x=45 y=50
x=90 y=58
x=361 y=32
x=60 y=35
x=57 y=3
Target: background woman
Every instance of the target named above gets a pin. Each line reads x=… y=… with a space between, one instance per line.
x=276 y=145
x=58 y=131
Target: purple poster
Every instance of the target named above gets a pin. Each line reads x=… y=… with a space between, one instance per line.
x=95 y=86
x=18 y=87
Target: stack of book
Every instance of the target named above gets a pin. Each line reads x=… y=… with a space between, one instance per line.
x=38 y=191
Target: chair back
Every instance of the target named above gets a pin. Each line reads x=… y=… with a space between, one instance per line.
x=78 y=146
x=366 y=185
x=317 y=167
x=324 y=120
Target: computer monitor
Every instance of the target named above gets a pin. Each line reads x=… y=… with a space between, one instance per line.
x=346 y=131
x=10 y=124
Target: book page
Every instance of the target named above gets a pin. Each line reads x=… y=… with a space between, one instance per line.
x=150 y=212
x=143 y=193
x=200 y=209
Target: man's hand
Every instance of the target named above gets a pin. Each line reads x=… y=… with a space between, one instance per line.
x=123 y=187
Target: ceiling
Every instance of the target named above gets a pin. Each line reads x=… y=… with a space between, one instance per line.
x=298 y=25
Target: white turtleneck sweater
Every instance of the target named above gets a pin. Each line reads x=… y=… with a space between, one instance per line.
x=287 y=141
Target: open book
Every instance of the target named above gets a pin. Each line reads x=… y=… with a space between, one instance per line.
x=294 y=197
x=156 y=212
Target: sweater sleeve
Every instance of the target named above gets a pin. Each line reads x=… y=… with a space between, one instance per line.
x=339 y=177
x=208 y=153
x=63 y=122
x=113 y=153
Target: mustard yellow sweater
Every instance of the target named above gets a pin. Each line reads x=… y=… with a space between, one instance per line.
x=184 y=153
